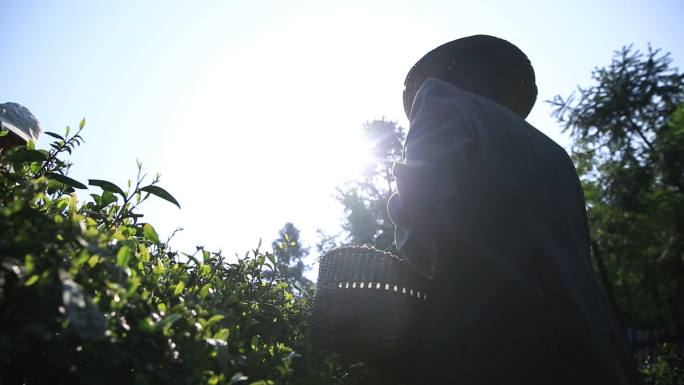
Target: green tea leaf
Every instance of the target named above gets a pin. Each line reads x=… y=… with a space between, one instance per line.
x=254 y=343
x=82 y=123
x=106 y=186
x=29 y=264
x=170 y=319
x=150 y=233
x=66 y=180
x=94 y=259
x=123 y=256
x=204 y=290
x=133 y=284
x=222 y=334
x=24 y=155
x=205 y=270
x=107 y=198
x=215 y=319
x=179 y=288
x=54 y=135
x=33 y=279
x=82 y=258
x=159 y=268
x=143 y=253
x=161 y=193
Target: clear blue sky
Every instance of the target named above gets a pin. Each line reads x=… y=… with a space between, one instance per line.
x=251 y=110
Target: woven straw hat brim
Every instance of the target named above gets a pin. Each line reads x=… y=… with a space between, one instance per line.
x=506 y=57
x=16 y=131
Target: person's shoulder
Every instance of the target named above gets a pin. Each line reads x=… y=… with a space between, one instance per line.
x=436 y=96
x=435 y=93
x=435 y=88
x=490 y=118
x=436 y=84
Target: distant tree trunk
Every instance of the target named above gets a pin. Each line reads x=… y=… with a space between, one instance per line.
x=678 y=332
x=677 y=302
x=627 y=289
x=607 y=283
x=652 y=287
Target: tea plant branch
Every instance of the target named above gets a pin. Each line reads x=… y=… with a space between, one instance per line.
x=58 y=147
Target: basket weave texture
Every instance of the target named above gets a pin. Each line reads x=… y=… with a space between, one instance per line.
x=369 y=305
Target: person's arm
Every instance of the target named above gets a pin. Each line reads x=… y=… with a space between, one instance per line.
x=435 y=163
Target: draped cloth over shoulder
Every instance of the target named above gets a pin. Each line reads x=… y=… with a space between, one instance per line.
x=494 y=210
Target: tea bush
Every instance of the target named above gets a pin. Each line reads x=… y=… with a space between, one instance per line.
x=665 y=368
x=90 y=294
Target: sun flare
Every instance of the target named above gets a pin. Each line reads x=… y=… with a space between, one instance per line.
x=348 y=160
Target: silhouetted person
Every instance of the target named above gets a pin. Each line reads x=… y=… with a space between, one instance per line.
x=494 y=211
x=20 y=123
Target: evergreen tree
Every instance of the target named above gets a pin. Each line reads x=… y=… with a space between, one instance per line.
x=289 y=253
x=628 y=145
x=365 y=201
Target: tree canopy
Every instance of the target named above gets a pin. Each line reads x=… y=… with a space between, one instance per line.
x=628 y=144
x=366 y=219
x=290 y=253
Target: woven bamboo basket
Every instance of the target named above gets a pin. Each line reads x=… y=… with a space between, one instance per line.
x=369 y=305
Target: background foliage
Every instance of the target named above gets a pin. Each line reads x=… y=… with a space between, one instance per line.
x=628 y=145
x=366 y=220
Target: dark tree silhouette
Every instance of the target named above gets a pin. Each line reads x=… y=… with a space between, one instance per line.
x=628 y=145
x=365 y=201
x=289 y=253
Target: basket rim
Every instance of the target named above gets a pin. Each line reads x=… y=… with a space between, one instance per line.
x=370 y=250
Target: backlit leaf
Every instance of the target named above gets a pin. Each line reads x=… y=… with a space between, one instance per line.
x=123 y=256
x=215 y=319
x=54 y=135
x=66 y=180
x=150 y=233
x=222 y=334
x=94 y=259
x=106 y=186
x=25 y=155
x=161 y=193
x=170 y=319
x=29 y=264
x=204 y=290
x=33 y=279
x=179 y=288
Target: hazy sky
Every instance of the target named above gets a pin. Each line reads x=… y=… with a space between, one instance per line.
x=251 y=110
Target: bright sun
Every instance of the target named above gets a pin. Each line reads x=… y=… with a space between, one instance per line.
x=347 y=161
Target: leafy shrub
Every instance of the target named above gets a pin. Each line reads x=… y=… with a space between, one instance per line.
x=89 y=294
x=665 y=369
